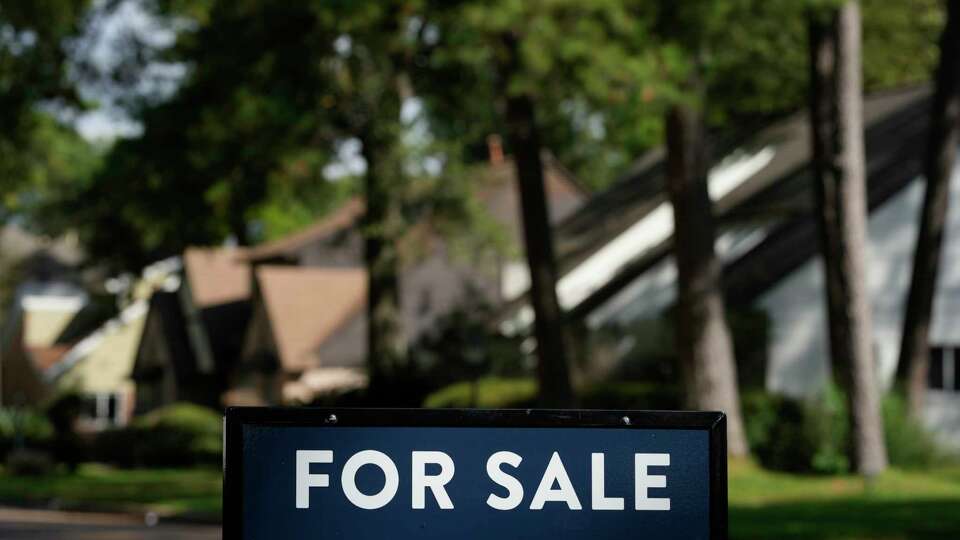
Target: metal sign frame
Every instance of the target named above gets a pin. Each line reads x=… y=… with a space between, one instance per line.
x=237 y=417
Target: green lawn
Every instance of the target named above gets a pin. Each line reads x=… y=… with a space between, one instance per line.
x=98 y=487
x=900 y=505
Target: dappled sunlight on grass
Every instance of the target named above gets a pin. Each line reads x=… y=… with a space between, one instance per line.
x=898 y=505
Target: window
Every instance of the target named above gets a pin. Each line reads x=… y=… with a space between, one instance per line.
x=103 y=409
x=943 y=369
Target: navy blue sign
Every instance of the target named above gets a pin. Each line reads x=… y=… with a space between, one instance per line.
x=293 y=474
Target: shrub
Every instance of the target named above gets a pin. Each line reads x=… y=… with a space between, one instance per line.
x=32 y=428
x=29 y=462
x=503 y=393
x=489 y=393
x=909 y=445
x=176 y=435
x=791 y=435
x=795 y=436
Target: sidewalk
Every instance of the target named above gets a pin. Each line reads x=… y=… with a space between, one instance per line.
x=16 y=523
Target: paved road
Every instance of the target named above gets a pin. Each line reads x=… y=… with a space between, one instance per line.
x=16 y=524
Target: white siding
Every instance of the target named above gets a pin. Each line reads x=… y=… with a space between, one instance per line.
x=798 y=350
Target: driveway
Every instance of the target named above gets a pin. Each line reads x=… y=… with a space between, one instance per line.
x=50 y=525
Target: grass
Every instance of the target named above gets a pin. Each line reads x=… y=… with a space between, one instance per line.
x=900 y=505
x=194 y=491
x=897 y=506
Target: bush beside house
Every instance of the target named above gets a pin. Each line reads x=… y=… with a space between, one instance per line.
x=176 y=435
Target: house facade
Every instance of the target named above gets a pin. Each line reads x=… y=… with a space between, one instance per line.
x=618 y=268
x=312 y=285
x=193 y=329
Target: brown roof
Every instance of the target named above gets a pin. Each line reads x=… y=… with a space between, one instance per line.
x=343 y=217
x=46 y=357
x=217 y=275
x=306 y=305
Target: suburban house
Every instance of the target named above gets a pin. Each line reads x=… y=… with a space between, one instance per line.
x=618 y=270
x=45 y=314
x=97 y=365
x=307 y=337
x=194 y=328
x=304 y=338
x=37 y=319
x=97 y=370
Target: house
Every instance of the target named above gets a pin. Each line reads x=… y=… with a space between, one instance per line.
x=97 y=370
x=304 y=339
x=97 y=366
x=310 y=288
x=47 y=311
x=194 y=329
x=617 y=267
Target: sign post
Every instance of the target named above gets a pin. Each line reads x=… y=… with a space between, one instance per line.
x=473 y=474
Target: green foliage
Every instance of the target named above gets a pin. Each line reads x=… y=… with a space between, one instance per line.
x=33 y=70
x=791 y=435
x=486 y=393
x=462 y=345
x=176 y=435
x=518 y=393
x=909 y=444
x=24 y=426
x=194 y=491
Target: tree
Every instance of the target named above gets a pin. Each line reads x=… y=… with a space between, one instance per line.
x=944 y=137
x=243 y=120
x=543 y=58
x=702 y=335
x=34 y=67
x=523 y=135
x=839 y=170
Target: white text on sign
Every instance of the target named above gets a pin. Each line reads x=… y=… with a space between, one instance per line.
x=554 y=485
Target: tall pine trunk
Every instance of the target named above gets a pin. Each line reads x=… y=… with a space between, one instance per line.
x=703 y=338
x=382 y=226
x=553 y=371
x=839 y=168
x=941 y=150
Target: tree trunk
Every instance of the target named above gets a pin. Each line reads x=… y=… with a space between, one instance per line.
x=703 y=338
x=553 y=370
x=941 y=149
x=386 y=340
x=840 y=179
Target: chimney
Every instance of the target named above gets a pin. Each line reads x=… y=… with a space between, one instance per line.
x=495 y=149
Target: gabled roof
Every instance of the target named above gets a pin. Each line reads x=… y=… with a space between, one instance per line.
x=772 y=204
x=306 y=305
x=166 y=323
x=217 y=275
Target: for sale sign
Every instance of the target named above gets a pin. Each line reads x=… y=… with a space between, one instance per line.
x=378 y=474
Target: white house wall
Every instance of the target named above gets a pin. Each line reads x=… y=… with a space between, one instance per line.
x=798 y=350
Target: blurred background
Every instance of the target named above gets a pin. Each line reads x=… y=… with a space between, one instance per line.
x=737 y=205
